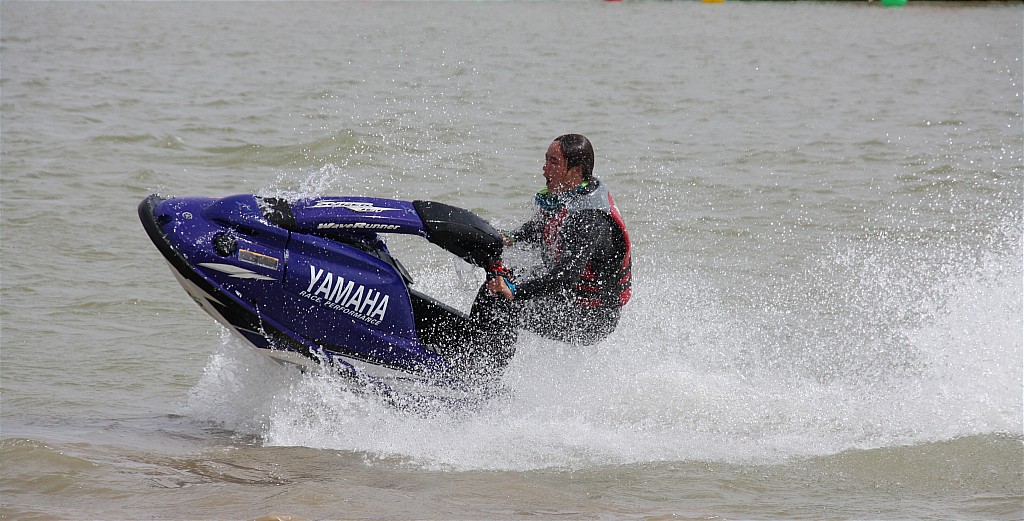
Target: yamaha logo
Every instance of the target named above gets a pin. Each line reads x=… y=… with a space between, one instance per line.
x=347 y=296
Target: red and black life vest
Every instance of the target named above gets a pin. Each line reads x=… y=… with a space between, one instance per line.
x=588 y=290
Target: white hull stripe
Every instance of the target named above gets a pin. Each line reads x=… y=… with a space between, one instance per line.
x=235 y=271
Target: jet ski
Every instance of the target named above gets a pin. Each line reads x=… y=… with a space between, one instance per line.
x=312 y=281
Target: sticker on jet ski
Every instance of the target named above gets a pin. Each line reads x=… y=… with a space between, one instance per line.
x=258 y=259
x=334 y=292
x=357 y=226
x=355 y=206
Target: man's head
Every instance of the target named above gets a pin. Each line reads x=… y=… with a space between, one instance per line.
x=569 y=162
x=578 y=152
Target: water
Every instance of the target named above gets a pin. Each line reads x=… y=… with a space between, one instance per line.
x=825 y=201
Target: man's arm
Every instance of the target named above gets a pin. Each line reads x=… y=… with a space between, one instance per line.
x=530 y=231
x=584 y=235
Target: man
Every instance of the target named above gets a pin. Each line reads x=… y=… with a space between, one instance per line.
x=586 y=277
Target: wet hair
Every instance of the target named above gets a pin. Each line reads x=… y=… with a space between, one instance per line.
x=578 y=152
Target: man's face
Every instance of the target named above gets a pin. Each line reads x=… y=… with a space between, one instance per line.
x=559 y=178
